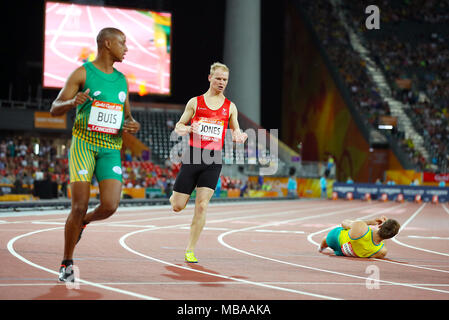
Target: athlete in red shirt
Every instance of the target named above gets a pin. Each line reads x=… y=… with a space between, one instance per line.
x=208 y=115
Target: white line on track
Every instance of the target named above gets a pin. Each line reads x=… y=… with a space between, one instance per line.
x=308 y=209
x=53 y=76
x=52 y=8
x=59 y=32
x=11 y=249
x=413 y=216
x=220 y=239
x=310 y=236
x=91 y=21
x=445 y=209
x=135 y=21
x=129 y=34
x=189 y=283
x=429 y=238
x=259 y=284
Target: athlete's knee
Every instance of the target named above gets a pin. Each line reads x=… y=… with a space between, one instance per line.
x=108 y=208
x=202 y=205
x=77 y=214
x=176 y=205
x=79 y=209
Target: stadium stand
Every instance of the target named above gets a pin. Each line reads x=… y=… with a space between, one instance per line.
x=404 y=51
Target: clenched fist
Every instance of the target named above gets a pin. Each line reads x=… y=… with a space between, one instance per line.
x=81 y=97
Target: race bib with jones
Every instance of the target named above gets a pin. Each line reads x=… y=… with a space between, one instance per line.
x=105 y=117
x=211 y=128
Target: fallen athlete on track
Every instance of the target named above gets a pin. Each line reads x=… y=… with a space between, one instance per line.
x=356 y=239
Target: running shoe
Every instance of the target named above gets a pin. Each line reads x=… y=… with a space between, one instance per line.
x=66 y=273
x=190 y=257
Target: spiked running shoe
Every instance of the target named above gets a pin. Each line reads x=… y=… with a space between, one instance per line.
x=190 y=257
x=66 y=273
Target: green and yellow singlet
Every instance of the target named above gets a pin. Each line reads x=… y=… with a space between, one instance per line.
x=100 y=122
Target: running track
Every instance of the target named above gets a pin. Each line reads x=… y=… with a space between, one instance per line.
x=248 y=251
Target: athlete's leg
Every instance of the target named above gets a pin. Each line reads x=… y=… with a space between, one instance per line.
x=80 y=192
x=110 y=190
x=203 y=196
x=109 y=175
x=179 y=201
x=184 y=185
x=81 y=169
x=323 y=245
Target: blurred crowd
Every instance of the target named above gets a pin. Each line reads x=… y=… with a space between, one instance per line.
x=414 y=57
x=423 y=65
x=26 y=160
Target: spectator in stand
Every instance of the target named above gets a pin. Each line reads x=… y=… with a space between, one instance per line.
x=323 y=185
x=292 y=187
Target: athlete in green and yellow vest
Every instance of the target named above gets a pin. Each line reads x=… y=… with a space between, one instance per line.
x=100 y=95
x=111 y=89
x=362 y=247
x=355 y=238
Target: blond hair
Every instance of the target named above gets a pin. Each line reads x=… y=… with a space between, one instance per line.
x=218 y=65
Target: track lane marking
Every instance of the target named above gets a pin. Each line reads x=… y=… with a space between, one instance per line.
x=11 y=249
x=220 y=239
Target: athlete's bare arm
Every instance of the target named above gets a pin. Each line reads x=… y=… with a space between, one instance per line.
x=237 y=135
x=130 y=125
x=359 y=227
x=70 y=96
x=182 y=128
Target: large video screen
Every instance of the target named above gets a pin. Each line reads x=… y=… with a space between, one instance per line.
x=70 y=40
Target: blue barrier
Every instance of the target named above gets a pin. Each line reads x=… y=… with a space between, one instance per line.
x=392 y=191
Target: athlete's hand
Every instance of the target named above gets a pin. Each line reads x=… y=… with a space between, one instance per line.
x=183 y=130
x=131 y=126
x=195 y=128
x=81 y=97
x=380 y=220
x=239 y=137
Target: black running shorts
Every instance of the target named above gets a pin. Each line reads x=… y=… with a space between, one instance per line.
x=197 y=174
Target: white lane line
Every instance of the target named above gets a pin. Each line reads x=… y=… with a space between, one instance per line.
x=48 y=222
x=142 y=25
x=59 y=32
x=445 y=209
x=220 y=239
x=129 y=225
x=206 y=228
x=11 y=249
x=310 y=236
x=124 y=245
x=195 y=283
x=50 y=75
x=259 y=284
x=278 y=231
x=129 y=34
x=52 y=8
x=413 y=216
x=430 y=238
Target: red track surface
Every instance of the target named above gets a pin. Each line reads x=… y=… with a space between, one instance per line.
x=248 y=251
